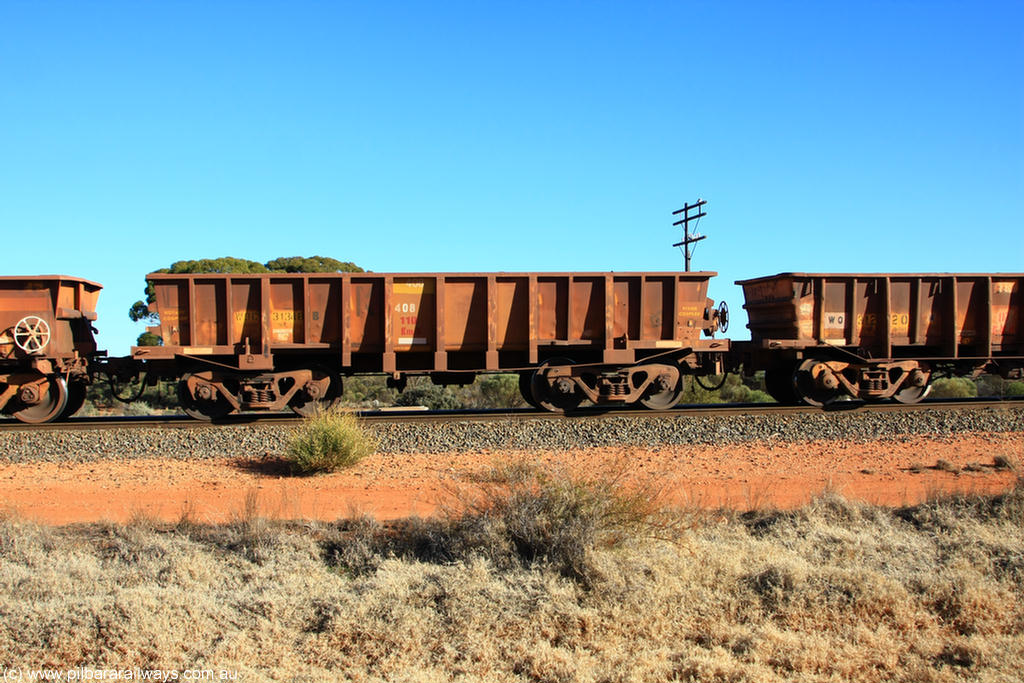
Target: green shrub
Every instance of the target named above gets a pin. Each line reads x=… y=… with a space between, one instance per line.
x=736 y=388
x=994 y=385
x=367 y=391
x=434 y=397
x=138 y=408
x=953 y=387
x=495 y=391
x=328 y=441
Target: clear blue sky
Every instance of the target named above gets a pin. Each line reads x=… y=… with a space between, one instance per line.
x=473 y=136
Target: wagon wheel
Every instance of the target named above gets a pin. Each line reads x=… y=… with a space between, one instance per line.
x=319 y=394
x=813 y=386
x=208 y=405
x=561 y=397
x=778 y=382
x=76 y=399
x=663 y=393
x=525 y=388
x=914 y=392
x=32 y=334
x=44 y=401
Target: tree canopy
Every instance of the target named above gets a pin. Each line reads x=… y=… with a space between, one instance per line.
x=311 y=264
x=229 y=264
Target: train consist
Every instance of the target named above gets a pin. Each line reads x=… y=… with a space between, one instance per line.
x=244 y=342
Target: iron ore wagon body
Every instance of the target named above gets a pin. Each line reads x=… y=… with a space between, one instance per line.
x=46 y=344
x=267 y=341
x=820 y=336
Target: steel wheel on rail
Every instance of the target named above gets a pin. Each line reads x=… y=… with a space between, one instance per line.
x=202 y=401
x=664 y=393
x=778 y=382
x=915 y=387
x=76 y=399
x=559 y=396
x=815 y=384
x=44 y=400
x=526 y=389
x=319 y=394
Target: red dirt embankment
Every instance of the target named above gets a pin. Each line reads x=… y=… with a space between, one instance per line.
x=887 y=472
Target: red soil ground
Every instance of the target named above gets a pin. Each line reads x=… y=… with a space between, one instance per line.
x=886 y=472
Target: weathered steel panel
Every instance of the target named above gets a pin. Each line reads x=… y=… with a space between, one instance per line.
x=210 y=322
x=246 y=318
x=325 y=310
x=513 y=313
x=286 y=311
x=413 y=313
x=465 y=313
x=366 y=322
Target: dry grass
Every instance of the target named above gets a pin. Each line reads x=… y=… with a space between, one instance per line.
x=556 y=517
x=1004 y=462
x=833 y=591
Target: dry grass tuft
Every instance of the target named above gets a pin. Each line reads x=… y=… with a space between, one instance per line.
x=1004 y=462
x=944 y=465
x=329 y=441
x=558 y=517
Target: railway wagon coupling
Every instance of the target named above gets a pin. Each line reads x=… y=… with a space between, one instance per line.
x=825 y=337
x=245 y=342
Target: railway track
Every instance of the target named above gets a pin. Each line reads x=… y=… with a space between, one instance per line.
x=411 y=416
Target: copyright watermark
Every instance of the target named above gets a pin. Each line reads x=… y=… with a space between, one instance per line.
x=86 y=673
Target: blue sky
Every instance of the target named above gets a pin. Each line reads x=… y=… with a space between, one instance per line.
x=469 y=136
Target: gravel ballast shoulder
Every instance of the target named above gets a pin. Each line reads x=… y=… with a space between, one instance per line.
x=256 y=440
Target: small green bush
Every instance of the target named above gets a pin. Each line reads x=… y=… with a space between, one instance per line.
x=953 y=387
x=329 y=441
x=139 y=408
x=434 y=397
x=736 y=388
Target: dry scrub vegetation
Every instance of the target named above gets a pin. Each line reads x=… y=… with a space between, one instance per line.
x=537 y=577
x=327 y=441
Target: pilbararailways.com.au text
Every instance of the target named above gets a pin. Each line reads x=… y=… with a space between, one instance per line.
x=85 y=673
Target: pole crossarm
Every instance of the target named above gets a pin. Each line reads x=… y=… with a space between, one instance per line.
x=689 y=239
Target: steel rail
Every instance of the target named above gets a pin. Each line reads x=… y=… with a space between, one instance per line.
x=178 y=421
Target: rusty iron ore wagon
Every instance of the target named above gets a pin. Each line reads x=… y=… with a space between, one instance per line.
x=270 y=341
x=46 y=345
x=823 y=336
